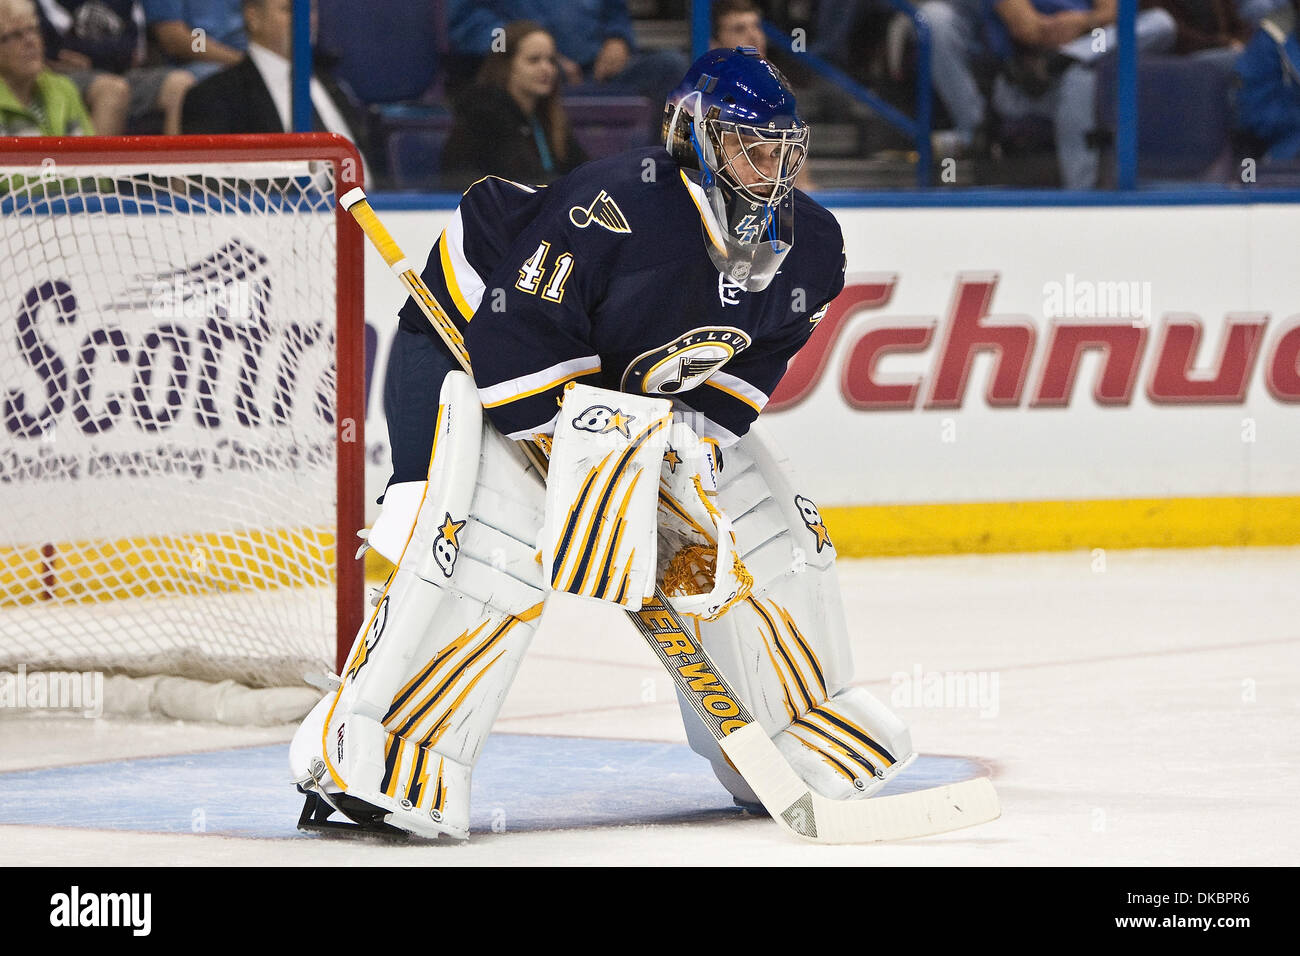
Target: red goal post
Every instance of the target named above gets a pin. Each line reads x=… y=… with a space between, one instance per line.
x=181 y=405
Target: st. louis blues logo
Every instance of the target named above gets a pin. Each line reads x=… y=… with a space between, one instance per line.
x=685 y=362
x=603 y=211
x=813 y=519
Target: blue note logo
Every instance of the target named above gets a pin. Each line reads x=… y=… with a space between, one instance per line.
x=682 y=364
x=603 y=211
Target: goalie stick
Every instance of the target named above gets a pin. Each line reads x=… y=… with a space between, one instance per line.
x=794 y=805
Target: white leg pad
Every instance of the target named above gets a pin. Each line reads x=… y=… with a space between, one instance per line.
x=431 y=667
x=785 y=650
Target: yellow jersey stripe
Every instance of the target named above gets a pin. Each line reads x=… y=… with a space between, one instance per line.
x=734 y=394
x=563 y=372
x=705 y=216
x=449 y=277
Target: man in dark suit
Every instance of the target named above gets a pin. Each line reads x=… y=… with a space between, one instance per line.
x=255 y=95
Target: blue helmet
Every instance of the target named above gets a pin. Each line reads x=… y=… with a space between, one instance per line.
x=732 y=125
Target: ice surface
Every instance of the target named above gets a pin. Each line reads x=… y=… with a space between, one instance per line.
x=1138 y=708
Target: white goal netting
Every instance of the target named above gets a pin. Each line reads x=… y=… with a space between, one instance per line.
x=168 y=419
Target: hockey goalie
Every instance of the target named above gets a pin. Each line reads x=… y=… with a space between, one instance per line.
x=631 y=320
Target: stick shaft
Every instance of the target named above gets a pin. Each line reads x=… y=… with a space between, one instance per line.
x=356 y=203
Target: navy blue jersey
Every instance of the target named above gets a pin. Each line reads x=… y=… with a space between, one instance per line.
x=604 y=278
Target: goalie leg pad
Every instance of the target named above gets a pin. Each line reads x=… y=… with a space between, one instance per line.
x=431 y=667
x=785 y=648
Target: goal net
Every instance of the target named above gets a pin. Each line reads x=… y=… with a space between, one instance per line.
x=181 y=420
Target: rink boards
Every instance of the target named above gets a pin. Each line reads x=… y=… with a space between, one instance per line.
x=1027 y=378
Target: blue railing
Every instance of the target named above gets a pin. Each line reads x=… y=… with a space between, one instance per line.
x=302 y=66
x=1126 y=113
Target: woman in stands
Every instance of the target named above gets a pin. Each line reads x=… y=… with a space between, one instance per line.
x=511 y=122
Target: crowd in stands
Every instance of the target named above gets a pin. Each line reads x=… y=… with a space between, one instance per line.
x=1042 y=58
x=529 y=89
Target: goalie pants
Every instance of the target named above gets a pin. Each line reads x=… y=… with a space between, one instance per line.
x=417 y=364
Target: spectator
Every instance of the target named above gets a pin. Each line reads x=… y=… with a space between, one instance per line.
x=959 y=38
x=34 y=100
x=839 y=26
x=1060 y=32
x=740 y=23
x=99 y=45
x=203 y=36
x=1268 y=100
x=256 y=94
x=1254 y=12
x=1205 y=24
x=511 y=122
x=1047 y=49
x=737 y=23
x=597 y=52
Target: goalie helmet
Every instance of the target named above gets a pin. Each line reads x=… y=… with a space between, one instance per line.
x=731 y=124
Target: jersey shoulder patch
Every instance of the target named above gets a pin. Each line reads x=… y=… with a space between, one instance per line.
x=623 y=195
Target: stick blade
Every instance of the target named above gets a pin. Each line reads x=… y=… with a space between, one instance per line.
x=811 y=816
x=906 y=816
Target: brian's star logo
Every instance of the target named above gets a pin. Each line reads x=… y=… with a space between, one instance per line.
x=450 y=528
x=618 y=422
x=673 y=459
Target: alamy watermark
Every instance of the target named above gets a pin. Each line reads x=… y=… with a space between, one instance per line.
x=75 y=908
x=952 y=689
x=53 y=690
x=1077 y=298
x=190 y=298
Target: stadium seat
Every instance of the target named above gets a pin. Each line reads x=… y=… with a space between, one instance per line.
x=1184 y=115
x=414 y=151
x=607 y=125
x=389 y=51
x=1279 y=174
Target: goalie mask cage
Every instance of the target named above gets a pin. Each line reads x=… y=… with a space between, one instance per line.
x=181 y=406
